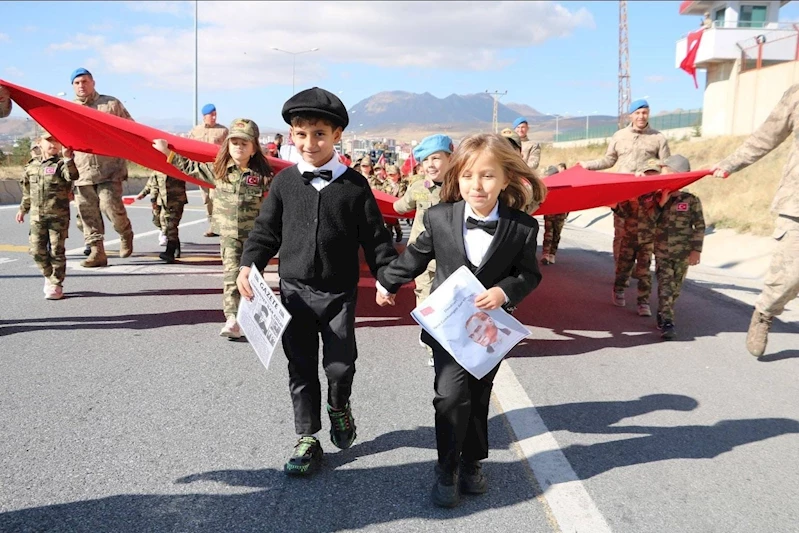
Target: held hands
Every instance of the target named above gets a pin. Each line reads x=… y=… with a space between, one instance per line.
x=490 y=299
x=384 y=300
x=693 y=258
x=243 y=283
x=161 y=145
x=20 y=218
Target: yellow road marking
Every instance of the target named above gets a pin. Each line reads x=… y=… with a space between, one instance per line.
x=13 y=248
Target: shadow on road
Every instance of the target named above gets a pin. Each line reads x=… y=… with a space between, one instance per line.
x=136 y=322
x=342 y=497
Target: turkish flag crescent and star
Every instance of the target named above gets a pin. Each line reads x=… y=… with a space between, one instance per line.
x=87 y=130
x=692 y=47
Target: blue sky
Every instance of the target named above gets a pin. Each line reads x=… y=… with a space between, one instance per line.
x=558 y=57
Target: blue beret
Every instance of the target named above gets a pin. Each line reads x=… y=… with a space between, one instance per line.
x=78 y=72
x=208 y=109
x=519 y=121
x=638 y=104
x=431 y=145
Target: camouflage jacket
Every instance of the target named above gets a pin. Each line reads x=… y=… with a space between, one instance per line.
x=783 y=120
x=531 y=153
x=237 y=199
x=211 y=134
x=46 y=187
x=377 y=184
x=396 y=189
x=165 y=191
x=631 y=149
x=679 y=226
x=95 y=169
x=421 y=195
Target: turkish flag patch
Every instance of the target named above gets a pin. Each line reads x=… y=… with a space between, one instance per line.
x=49 y=170
x=682 y=206
x=253 y=180
x=426 y=311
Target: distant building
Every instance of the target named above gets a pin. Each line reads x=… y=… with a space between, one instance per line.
x=749 y=57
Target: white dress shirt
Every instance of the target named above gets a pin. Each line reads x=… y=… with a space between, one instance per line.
x=476 y=241
x=334 y=165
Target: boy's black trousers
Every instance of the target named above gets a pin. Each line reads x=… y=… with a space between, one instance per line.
x=316 y=313
x=461 y=405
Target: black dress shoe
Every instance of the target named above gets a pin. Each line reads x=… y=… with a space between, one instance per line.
x=445 y=491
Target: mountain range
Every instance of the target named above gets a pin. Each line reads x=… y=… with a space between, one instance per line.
x=401 y=115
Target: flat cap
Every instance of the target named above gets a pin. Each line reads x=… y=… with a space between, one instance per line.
x=317 y=102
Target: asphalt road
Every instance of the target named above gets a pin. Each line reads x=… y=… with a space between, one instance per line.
x=122 y=410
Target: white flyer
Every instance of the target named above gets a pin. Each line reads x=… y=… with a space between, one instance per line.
x=478 y=340
x=264 y=319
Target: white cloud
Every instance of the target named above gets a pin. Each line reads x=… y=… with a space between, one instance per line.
x=4 y=38
x=170 y=8
x=14 y=72
x=81 y=41
x=236 y=38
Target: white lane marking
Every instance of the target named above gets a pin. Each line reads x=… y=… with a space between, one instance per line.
x=571 y=506
x=6 y=260
x=15 y=206
x=137 y=235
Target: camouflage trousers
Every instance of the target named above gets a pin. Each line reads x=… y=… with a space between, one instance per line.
x=424 y=282
x=169 y=220
x=670 y=274
x=157 y=216
x=782 y=280
x=47 y=246
x=208 y=200
x=231 y=250
x=553 y=226
x=634 y=259
x=618 y=234
x=95 y=200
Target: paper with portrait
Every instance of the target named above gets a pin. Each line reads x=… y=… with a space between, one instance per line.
x=264 y=319
x=478 y=340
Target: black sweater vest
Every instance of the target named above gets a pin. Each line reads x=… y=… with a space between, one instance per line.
x=318 y=233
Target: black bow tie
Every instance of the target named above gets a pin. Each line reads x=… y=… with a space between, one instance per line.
x=326 y=175
x=488 y=227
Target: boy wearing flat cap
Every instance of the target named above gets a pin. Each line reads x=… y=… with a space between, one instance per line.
x=317 y=215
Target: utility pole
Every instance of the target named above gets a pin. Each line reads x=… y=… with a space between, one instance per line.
x=625 y=94
x=194 y=113
x=496 y=95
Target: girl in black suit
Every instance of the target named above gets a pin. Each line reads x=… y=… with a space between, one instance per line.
x=479 y=223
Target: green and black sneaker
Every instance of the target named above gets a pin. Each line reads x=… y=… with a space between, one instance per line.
x=306 y=458
x=342 y=427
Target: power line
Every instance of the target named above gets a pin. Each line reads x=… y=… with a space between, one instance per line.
x=496 y=95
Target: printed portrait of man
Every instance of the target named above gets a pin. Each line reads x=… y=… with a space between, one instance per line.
x=482 y=329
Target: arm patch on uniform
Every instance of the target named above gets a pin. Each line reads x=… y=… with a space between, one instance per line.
x=49 y=170
x=682 y=206
x=253 y=180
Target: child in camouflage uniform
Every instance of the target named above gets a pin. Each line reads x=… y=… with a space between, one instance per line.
x=168 y=196
x=679 y=231
x=553 y=227
x=396 y=187
x=45 y=195
x=241 y=176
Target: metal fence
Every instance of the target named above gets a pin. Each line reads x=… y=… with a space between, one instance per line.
x=683 y=119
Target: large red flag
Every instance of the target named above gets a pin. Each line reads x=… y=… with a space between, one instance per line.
x=688 y=64
x=88 y=130
x=408 y=165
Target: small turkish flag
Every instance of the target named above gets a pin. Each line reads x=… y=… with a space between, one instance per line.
x=427 y=310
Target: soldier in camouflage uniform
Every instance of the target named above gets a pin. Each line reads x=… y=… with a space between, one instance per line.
x=553 y=227
x=99 y=187
x=168 y=196
x=782 y=279
x=45 y=195
x=531 y=150
x=434 y=152
x=211 y=132
x=630 y=148
x=241 y=183
x=678 y=231
x=637 y=244
x=396 y=187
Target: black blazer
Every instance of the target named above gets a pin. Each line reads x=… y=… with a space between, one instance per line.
x=510 y=262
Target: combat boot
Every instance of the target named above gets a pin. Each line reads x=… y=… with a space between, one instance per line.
x=168 y=255
x=757 y=336
x=126 y=245
x=97 y=257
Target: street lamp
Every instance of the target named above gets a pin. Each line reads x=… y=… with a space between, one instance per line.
x=294 y=62
x=196 y=62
